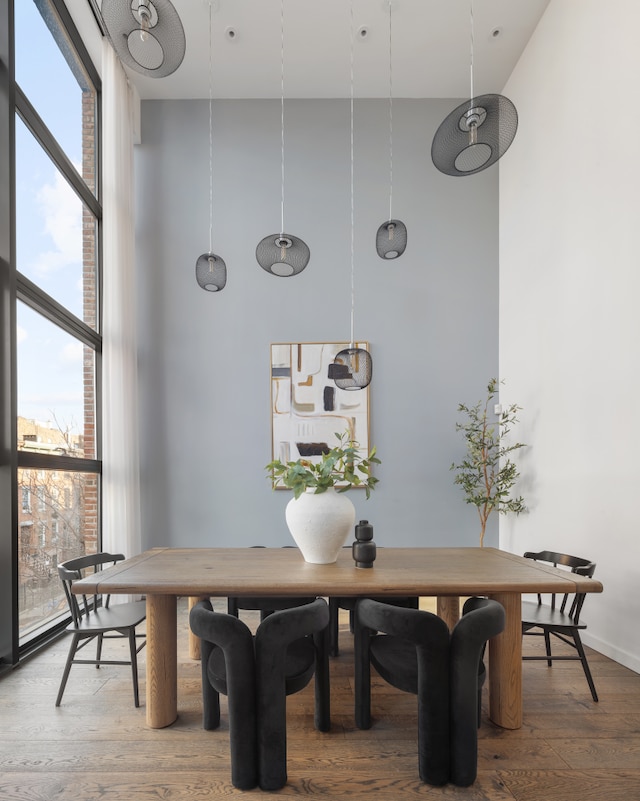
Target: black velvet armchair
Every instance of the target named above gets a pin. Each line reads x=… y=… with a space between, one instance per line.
x=416 y=653
x=257 y=673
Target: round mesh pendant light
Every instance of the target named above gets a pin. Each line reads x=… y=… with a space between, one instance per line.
x=352 y=367
x=147 y=35
x=391 y=237
x=282 y=254
x=211 y=270
x=475 y=134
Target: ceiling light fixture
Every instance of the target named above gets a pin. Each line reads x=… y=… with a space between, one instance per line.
x=282 y=254
x=475 y=134
x=391 y=237
x=352 y=367
x=147 y=35
x=211 y=270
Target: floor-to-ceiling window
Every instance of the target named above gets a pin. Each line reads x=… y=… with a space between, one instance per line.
x=51 y=311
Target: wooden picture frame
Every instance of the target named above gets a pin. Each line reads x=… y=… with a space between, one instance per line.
x=307 y=408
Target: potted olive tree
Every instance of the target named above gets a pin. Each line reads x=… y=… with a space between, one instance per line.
x=487 y=474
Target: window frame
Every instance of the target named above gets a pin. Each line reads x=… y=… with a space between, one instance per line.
x=16 y=287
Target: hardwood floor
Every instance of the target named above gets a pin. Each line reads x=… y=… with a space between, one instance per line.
x=96 y=746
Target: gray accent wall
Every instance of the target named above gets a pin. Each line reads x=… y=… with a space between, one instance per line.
x=431 y=317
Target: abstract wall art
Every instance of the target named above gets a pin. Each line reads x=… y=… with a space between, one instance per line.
x=307 y=409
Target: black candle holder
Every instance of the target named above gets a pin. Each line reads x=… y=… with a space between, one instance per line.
x=363 y=549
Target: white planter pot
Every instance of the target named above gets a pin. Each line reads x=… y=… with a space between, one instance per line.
x=320 y=524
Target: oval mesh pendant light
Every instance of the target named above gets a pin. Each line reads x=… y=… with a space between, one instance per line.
x=147 y=35
x=211 y=271
x=391 y=237
x=476 y=134
x=352 y=367
x=282 y=254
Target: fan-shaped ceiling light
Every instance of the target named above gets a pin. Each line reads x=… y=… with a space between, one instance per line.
x=391 y=237
x=211 y=271
x=476 y=134
x=282 y=254
x=147 y=35
x=352 y=367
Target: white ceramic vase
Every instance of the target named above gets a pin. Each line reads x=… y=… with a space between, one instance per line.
x=320 y=524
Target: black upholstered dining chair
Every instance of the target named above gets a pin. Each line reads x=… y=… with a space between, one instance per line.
x=415 y=652
x=92 y=618
x=257 y=673
x=559 y=615
x=349 y=604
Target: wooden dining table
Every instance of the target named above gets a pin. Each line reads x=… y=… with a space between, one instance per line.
x=165 y=574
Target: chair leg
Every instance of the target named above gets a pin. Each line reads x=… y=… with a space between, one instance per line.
x=333 y=627
x=585 y=664
x=134 y=665
x=210 y=696
x=322 y=716
x=98 y=651
x=67 y=668
x=362 y=670
x=547 y=643
x=272 y=733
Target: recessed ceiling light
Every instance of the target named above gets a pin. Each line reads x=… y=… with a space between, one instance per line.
x=231 y=33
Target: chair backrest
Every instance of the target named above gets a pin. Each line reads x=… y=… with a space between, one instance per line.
x=577 y=565
x=427 y=631
x=75 y=569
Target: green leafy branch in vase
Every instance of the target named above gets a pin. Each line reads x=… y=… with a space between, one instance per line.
x=341 y=467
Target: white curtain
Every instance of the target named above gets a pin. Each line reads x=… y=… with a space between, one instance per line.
x=120 y=455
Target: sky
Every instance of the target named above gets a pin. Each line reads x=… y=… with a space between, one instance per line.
x=48 y=226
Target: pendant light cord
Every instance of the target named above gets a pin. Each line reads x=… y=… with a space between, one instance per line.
x=390 y=119
x=352 y=192
x=282 y=116
x=471 y=57
x=210 y=129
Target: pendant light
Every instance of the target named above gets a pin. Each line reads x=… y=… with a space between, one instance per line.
x=147 y=35
x=211 y=271
x=475 y=134
x=282 y=254
x=391 y=237
x=352 y=367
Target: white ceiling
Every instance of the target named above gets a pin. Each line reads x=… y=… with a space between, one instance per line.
x=431 y=47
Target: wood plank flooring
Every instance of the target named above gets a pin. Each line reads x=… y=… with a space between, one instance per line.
x=97 y=747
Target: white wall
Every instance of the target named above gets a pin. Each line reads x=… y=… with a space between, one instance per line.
x=569 y=289
x=431 y=317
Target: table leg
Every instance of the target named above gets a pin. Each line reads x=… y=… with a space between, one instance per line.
x=162 y=661
x=449 y=610
x=194 y=642
x=505 y=666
